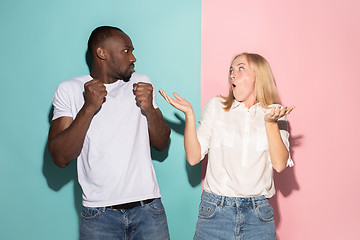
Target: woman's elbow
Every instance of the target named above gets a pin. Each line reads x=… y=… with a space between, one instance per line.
x=279 y=168
x=193 y=160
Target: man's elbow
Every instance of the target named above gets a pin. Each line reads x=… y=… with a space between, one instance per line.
x=163 y=142
x=59 y=161
x=162 y=147
x=56 y=157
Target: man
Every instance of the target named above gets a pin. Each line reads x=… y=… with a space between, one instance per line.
x=108 y=120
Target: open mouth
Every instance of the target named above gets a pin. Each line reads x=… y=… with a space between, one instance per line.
x=132 y=67
x=233 y=85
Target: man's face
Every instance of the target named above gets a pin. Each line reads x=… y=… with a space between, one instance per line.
x=120 y=57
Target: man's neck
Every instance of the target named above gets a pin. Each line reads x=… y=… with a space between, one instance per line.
x=102 y=76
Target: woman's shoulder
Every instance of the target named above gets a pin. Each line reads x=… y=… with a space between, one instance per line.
x=218 y=100
x=215 y=102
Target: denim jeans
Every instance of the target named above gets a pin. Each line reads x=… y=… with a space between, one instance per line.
x=234 y=218
x=147 y=221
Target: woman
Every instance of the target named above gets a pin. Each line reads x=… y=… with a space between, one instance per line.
x=245 y=137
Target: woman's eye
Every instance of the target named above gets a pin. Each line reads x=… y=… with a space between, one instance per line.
x=241 y=69
x=126 y=50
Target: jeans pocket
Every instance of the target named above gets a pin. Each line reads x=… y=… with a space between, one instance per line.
x=207 y=209
x=156 y=206
x=89 y=213
x=265 y=212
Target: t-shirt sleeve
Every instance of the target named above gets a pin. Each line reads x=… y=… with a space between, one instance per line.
x=61 y=102
x=205 y=127
x=284 y=133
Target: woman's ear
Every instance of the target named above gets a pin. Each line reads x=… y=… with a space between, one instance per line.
x=100 y=53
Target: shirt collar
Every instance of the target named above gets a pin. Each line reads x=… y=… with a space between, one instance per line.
x=240 y=104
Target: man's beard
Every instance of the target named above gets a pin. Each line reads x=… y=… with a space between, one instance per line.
x=126 y=77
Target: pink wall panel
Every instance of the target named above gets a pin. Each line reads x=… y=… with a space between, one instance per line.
x=313 y=48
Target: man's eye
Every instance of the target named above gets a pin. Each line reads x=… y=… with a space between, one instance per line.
x=126 y=50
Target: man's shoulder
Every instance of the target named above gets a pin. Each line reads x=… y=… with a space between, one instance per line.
x=78 y=81
x=70 y=86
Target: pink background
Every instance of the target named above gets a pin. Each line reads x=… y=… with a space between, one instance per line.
x=313 y=49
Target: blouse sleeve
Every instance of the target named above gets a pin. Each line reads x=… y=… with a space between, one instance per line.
x=205 y=127
x=283 y=127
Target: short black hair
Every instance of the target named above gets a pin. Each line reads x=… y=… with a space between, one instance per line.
x=100 y=34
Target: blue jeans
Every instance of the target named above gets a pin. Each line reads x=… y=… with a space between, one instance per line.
x=147 y=221
x=234 y=218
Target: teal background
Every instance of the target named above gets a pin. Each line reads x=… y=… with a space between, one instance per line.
x=43 y=43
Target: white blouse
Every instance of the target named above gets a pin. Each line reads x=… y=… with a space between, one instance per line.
x=238 y=152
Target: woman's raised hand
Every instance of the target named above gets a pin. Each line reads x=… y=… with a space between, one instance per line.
x=178 y=102
x=278 y=112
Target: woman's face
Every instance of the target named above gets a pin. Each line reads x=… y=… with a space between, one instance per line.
x=242 y=80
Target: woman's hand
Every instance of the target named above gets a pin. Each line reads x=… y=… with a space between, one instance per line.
x=191 y=142
x=179 y=103
x=277 y=112
x=279 y=154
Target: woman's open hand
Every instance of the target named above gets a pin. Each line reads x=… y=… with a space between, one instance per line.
x=178 y=102
x=278 y=112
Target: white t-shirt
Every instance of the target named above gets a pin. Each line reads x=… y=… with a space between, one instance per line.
x=115 y=164
x=239 y=162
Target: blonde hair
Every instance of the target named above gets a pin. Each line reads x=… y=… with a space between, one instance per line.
x=265 y=89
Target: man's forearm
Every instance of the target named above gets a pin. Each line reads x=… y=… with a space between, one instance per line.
x=66 y=137
x=159 y=131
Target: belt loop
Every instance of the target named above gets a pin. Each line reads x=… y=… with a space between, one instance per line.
x=222 y=201
x=253 y=202
x=142 y=203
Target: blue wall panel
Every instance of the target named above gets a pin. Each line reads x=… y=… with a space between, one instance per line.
x=44 y=43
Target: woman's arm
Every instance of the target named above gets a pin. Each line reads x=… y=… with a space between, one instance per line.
x=191 y=142
x=278 y=151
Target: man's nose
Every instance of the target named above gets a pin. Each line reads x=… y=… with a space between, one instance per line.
x=133 y=58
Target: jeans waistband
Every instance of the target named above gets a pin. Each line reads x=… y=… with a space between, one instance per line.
x=130 y=205
x=233 y=201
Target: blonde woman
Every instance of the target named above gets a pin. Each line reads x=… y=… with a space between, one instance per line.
x=245 y=137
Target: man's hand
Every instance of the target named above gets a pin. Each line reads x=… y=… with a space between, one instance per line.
x=144 y=95
x=95 y=93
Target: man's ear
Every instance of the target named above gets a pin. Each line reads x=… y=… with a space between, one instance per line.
x=100 y=53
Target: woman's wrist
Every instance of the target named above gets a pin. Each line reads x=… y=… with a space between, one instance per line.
x=271 y=124
x=190 y=114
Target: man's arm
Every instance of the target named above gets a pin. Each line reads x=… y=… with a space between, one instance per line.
x=159 y=131
x=66 y=136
